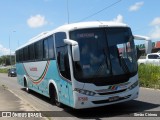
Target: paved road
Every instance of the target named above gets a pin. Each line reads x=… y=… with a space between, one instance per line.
x=148 y=101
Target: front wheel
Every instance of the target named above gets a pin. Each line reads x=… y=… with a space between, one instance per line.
x=57 y=103
x=54 y=98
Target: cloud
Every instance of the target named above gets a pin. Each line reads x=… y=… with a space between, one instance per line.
x=5 y=51
x=155 y=33
x=36 y=21
x=136 y=6
x=118 y=19
x=155 y=21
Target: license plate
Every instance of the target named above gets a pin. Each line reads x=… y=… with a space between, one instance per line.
x=113 y=98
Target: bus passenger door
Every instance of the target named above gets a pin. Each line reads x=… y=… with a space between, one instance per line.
x=63 y=64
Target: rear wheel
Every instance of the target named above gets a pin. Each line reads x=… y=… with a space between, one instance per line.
x=26 y=86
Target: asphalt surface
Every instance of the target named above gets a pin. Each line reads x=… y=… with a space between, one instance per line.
x=13 y=97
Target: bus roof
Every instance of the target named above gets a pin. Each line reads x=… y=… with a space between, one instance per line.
x=74 y=26
x=94 y=24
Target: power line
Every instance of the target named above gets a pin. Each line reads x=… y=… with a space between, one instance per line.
x=101 y=10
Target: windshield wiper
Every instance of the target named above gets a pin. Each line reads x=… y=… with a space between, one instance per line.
x=124 y=65
x=123 y=62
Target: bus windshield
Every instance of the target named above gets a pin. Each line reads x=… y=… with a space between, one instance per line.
x=104 y=52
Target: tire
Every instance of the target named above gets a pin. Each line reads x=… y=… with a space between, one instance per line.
x=57 y=103
x=54 y=97
x=26 y=86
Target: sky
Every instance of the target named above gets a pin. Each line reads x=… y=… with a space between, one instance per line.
x=20 y=20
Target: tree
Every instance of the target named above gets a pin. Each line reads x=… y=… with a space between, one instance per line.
x=5 y=60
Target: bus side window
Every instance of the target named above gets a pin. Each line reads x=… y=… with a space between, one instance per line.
x=60 y=59
x=31 y=52
x=38 y=50
x=48 y=48
x=45 y=49
x=62 y=55
x=17 y=56
x=21 y=55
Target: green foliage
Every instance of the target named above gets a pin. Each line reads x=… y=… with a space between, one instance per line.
x=149 y=76
x=5 y=60
x=5 y=70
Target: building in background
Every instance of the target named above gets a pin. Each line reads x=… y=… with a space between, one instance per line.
x=155 y=47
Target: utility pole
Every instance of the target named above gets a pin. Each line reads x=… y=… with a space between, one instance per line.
x=10 y=46
x=68 y=11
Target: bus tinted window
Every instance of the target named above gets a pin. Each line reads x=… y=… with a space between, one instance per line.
x=62 y=55
x=59 y=39
x=45 y=51
x=25 y=53
x=31 y=52
x=38 y=50
x=17 y=56
x=21 y=55
x=50 y=47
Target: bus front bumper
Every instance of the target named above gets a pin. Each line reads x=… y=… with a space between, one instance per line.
x=84 y=101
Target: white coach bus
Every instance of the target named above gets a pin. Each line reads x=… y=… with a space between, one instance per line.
x=81 y=65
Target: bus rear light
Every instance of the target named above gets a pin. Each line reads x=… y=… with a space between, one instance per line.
x=85 y=92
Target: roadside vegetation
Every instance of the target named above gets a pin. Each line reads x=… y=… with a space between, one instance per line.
x=149 y=76
x=4 y=70
x=6 y=60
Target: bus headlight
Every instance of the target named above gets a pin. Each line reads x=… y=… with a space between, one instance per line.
x=85 y=92
x=133 y=85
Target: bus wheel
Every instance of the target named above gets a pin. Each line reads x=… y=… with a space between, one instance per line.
x=54 y=97
x=26 y=86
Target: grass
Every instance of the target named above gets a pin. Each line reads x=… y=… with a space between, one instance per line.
x=5 y=70
x=149 y=76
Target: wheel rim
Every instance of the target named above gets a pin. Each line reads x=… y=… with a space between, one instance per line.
x=27 y=89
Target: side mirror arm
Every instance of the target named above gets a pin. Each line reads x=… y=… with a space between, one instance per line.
x=75 y=49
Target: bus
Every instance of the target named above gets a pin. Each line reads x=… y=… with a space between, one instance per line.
x=81 y=65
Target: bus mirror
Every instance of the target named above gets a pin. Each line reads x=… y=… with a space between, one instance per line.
x=148 y=42
x=75 y=53
x=148 y=46
x=75 y=49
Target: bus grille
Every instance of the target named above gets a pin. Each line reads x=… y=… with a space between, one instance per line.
x=108 y=93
